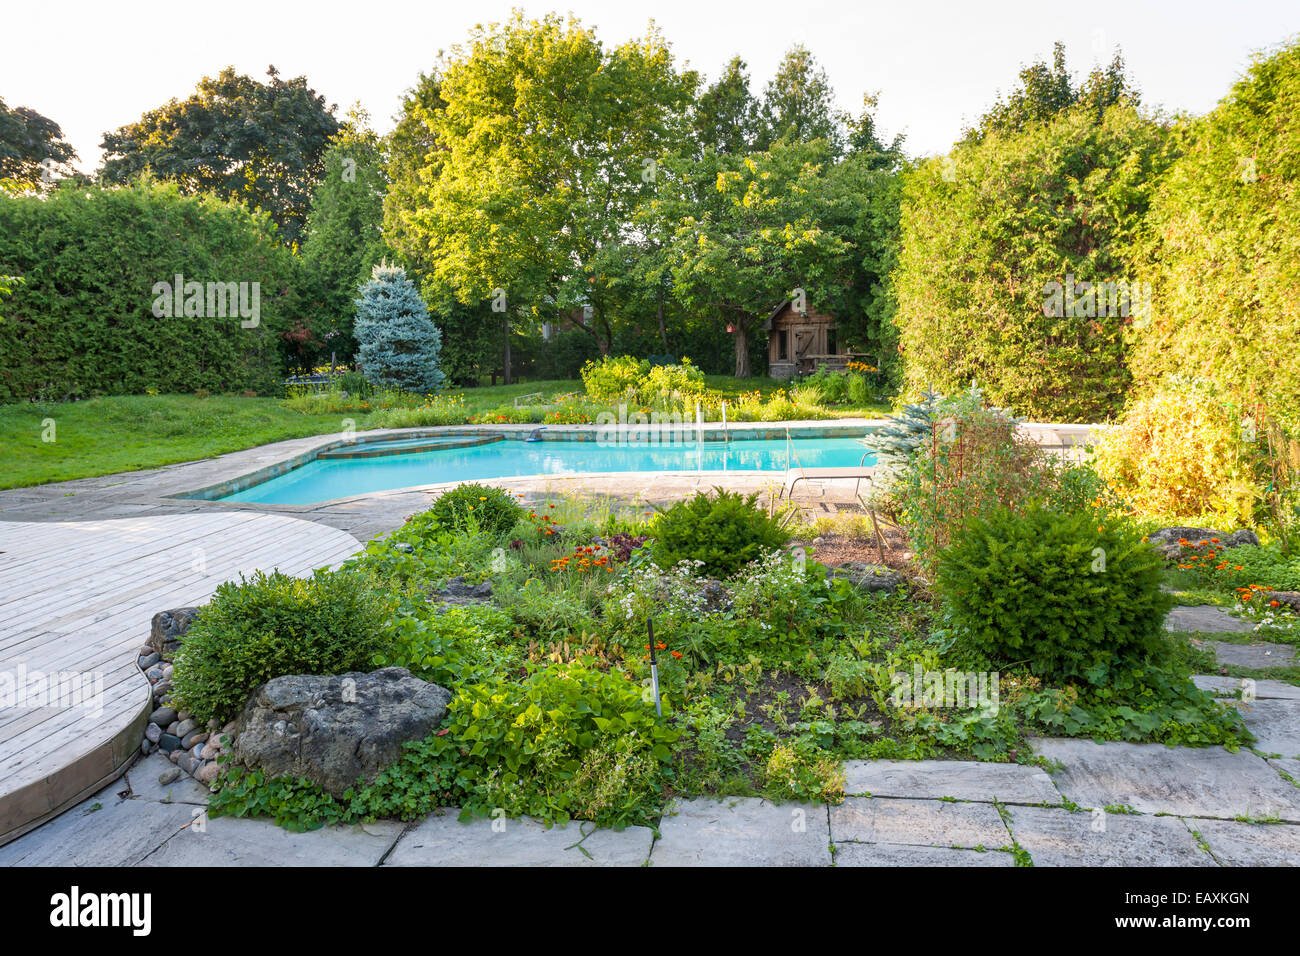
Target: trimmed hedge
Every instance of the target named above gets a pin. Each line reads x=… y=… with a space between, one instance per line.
x=986 y=229
x=1226 y=251
x=82 y=322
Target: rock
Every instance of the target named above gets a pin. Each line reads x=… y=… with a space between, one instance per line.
x=300 y=725
x=189 y=741
x=168 y=628
x=208 y=772
x=1289 y=599
x=458 y=592
x=174 y=756
x=211 y=750
x=174 y=728
x=149 y=660
x=1165 y=540
x=169 y=742
x=162 y=688
x=869 y=577
x=153 y=733
x=169 y=776
x=145 y=747
x=185 y=727
x=213 y=725
x=188 y=763
x=163 y=716
x=154 y=674
x=167 y=670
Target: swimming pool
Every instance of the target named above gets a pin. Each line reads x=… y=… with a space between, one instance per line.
x=324 y=480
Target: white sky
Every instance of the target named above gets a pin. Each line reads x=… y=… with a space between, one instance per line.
x=95 y=66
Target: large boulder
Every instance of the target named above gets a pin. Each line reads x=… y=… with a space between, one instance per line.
x=1165 y=540
x=335 y=731
x=169 y=627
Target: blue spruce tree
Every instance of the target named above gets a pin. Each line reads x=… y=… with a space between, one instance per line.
x=398 y=344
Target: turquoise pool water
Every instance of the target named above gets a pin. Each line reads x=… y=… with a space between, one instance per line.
x=322 y=480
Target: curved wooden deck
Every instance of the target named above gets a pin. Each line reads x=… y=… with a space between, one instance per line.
x=76 y=602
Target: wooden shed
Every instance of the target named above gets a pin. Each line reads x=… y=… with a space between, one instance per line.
x=798 y=342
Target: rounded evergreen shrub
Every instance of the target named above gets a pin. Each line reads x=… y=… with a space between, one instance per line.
x=271 y=625
x=724 y=532
x=1070 y=596
x=478 y=506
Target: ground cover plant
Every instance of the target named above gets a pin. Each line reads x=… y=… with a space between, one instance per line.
x=772 y=672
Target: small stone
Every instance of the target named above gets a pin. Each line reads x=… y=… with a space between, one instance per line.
x=169 y=776
x=211 y=750
x=154 y=674
x=229 y=728
x=149 y=660
x=208 y=772
x=163 y=716
x=169 y=742
x=186 y=727
x=168 y=669
x=175 y=756
x=214 y=724
x=187 y=763
x=174 y=728
x=189 y=741
x=163 y=687
x=145 y=747
x=145 y=651
x=152 y=733
x=183 y=715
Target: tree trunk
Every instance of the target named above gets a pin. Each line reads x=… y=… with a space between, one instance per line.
x=742 y=347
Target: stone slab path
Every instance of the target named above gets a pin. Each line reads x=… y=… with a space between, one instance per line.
x=1105 y=805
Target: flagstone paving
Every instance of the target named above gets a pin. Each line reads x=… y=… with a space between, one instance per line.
x=135 y=821
x=1275 y=724
x=1262 y=689
x=1205 y=618
x=1254 y=656
x=1184 y=781
x=958 y=779
x=1062 y=838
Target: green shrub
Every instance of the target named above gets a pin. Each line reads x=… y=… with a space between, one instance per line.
x=722 y=532
x=614 y=379
x=488 y=509
x=455 y=645
x=271 y=625
x=799 y=770
x=567 y=741
x=1061 y=593
x=96 y=263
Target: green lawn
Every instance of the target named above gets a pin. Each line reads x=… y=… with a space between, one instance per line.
x=103 y=436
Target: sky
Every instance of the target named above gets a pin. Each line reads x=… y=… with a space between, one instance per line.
x=937 y=66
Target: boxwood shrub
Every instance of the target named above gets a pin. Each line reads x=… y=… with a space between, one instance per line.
x=724 y=531
x=474 y=505
x=1068 y=595
x=271 y=625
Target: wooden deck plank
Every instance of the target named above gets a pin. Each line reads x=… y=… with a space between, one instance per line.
x=79 y=597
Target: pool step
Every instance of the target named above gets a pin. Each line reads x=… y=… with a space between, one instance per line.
x=407 y=446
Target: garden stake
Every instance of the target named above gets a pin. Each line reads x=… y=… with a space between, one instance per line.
x=654 y=666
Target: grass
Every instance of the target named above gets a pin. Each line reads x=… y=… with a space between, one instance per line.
x=104 y=436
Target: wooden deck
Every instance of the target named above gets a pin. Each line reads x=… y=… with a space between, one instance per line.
x=76 y=602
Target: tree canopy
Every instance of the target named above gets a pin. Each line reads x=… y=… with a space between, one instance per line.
x=260 y=143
